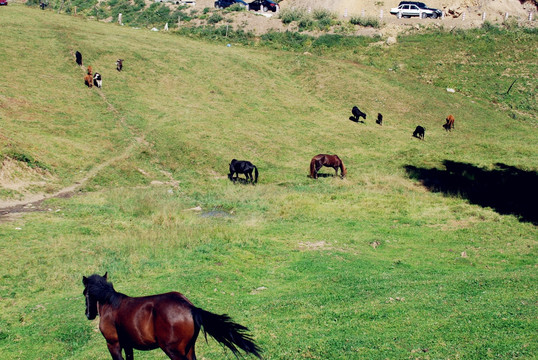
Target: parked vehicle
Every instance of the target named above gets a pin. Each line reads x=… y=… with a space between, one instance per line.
x=3 y=2
x=264 y=5
x=415 y=8
x=221 y=4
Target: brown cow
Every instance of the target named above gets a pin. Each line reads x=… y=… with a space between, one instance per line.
x=88 y=80
x=449 y=123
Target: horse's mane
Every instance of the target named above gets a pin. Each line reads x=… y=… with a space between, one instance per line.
x=103 y=291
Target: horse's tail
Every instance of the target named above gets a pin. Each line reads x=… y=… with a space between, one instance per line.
x=255 y=174
x=313 y=168
x=225 y=331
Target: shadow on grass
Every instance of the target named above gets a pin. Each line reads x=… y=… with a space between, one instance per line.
x=242 y=181
x=506 y=189
x=322 y=175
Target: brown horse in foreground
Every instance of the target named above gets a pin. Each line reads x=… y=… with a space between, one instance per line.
x=167 y=321
x=326 y=160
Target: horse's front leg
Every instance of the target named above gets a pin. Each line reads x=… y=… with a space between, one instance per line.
x=115 y=350
x=318 y=167
x=129 y=353
x=335 y=171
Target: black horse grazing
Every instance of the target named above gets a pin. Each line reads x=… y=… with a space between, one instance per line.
x=379 y=119
x=419 y=132
x=78 y=57
x=167 y=321
x=243 y=167
x=357 y=114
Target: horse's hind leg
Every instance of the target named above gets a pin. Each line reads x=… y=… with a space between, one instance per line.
x=176 y=354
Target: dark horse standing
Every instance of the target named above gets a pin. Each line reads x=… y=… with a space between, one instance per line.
x=243 y=167
x=326 y=160
x=167 y=321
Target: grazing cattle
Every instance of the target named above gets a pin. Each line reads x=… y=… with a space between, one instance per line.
x=88 y=80
x=78 y=57
x=379 y=119
x=243 y=167
x=90 y=70
x=97 y=80
x=419 y=132
x=327 y=160
x=357 y=114
x=119 y=64
x=167 y=321
x=43 y=5
x=449 y=125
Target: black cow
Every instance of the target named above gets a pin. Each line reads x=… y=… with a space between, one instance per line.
x=243 y=167
x=419 y=132
x=119 y=64
x=357 y=114
x=379 y=119
x=78 y=57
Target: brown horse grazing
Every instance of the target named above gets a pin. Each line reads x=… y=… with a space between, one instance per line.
x=167 y=321
x=449 y=125
x=326 y=160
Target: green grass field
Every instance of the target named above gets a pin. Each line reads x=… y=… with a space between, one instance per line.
x=374 y=266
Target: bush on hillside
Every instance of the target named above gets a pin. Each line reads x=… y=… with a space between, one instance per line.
x=214 y=18
x=365 y=21
x=289 y=15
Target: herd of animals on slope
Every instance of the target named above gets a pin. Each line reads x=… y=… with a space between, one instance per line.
x=246 y=167
x=170 y=321
x=94 y=79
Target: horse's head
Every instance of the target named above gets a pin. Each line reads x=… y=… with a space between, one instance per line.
x=91 y=301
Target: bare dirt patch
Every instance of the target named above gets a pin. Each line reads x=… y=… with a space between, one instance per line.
x=21 y=178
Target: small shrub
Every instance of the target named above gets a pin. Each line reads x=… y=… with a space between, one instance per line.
x=289 y=15
x=206 y=10
x=305 y=23
x=323 y=14
x=214 y=18
x=236 y=7
x=511 y=23
x=365 y=21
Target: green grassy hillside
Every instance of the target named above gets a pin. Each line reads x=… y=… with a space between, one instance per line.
x=373 y=266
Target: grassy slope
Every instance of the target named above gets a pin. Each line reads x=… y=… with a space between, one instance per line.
x=198 y=105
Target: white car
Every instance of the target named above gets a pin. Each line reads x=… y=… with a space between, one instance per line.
x=408 y=9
